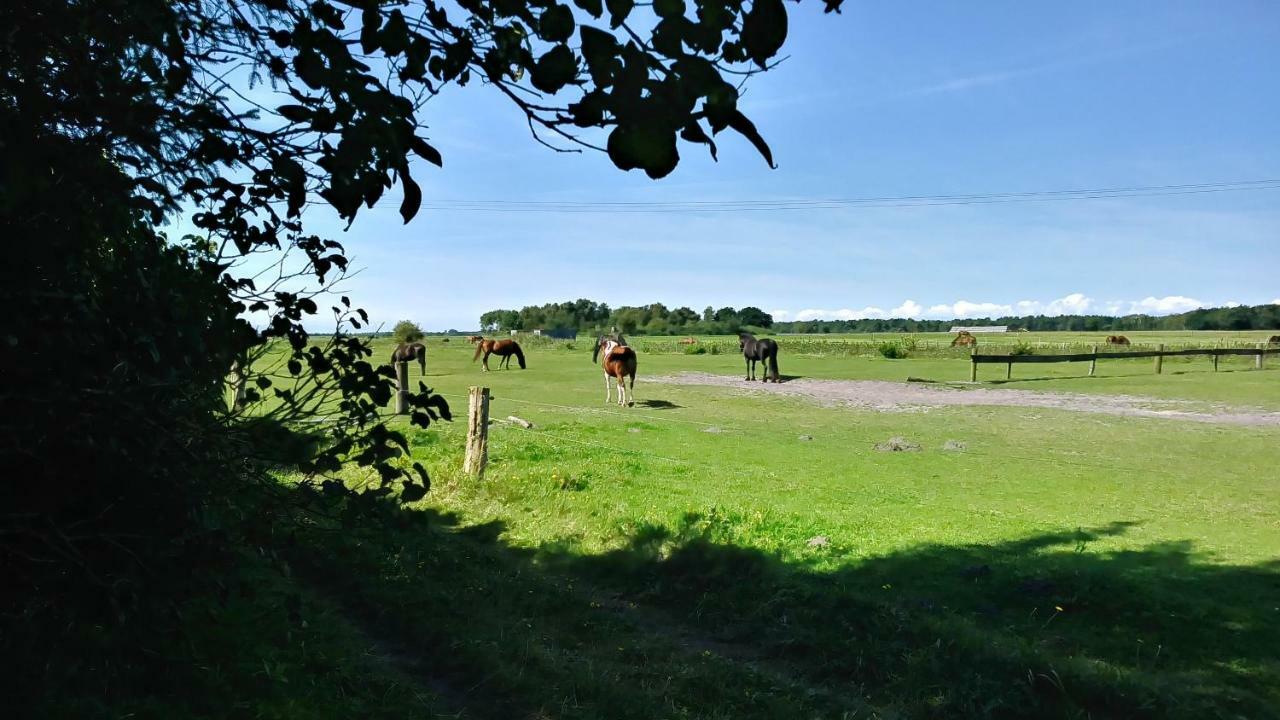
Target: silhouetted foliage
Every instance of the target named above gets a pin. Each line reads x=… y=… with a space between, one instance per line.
x=118 y=115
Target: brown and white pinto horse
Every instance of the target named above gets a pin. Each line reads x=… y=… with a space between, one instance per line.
x=405 y=352
x=502 y=348
x=619 y=362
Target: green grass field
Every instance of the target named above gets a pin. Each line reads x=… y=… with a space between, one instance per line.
x=715 y=554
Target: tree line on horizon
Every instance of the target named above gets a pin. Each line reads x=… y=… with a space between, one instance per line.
x=657 y=319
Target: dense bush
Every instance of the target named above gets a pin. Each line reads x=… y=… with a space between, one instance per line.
x=893 y=349
x=407 y=331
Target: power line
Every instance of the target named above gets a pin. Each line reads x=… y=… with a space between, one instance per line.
x=855 y=203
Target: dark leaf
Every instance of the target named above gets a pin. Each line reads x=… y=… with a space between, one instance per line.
x=618 y=11
x=764 y=29
x=556 y=24
x=411 y=492
x=668 y=8
x=595 y=7
x=295 y=367
x=412 y=197
x=747 y=129
x=555 y=69
x=693 y=132
x=426 y=152
x=650 y=149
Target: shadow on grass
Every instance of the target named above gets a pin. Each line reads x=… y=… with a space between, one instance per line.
x=679 y=618
x=658 y=404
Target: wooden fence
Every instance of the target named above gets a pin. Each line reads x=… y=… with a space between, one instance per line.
x=1159 y=354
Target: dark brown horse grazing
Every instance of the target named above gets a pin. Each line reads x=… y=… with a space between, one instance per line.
x=502 y=348
x=405 y=352
x=1117 y=340
x=763 y=351
x=619 y=363
x=965 y=338
x=1275 y=340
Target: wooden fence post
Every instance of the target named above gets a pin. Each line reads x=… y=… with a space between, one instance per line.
x=1008 y=371
x=402 y=388
x=1093 y=364
x=973 y=366
x=1159 y=358
x=237 y=387
x=477 y=431
x=1257 y=359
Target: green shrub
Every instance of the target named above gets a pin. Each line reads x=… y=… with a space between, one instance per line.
x=715 y=350
x=893 y=350
x=696 y=349
x=407 y=331
x=1022 y=348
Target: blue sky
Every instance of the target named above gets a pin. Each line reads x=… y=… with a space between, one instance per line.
x=887 y=99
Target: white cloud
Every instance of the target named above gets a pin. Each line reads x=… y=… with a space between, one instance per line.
x=1276 y=301
x=1072 y=304
x=780 y=315
x=1167 y=305
x=908 y=309
x=841 y=314
x=967 y=309
x=1231 y=304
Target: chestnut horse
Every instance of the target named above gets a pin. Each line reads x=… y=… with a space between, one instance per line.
x=965 y=338
x=1117 y=340
x=405 y=352
x=502 y=348
x=619 y=363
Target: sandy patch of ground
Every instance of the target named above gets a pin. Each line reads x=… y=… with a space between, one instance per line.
x=907 y=397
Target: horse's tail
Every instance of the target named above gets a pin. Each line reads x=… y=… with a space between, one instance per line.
x=773 y=363
x=479 y=351
x=515 y=349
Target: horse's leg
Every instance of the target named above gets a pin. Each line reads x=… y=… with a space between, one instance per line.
x=484 y=362
x=608 y=391
x=747 y=360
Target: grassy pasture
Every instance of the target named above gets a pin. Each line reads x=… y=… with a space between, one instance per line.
x=714 y=554
x=1064 y=563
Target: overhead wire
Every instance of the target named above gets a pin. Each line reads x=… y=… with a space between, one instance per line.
x=834 y=203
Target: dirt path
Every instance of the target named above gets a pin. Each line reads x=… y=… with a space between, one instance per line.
x=914 y=397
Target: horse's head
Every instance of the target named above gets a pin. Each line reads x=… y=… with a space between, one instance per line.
x=743 y=338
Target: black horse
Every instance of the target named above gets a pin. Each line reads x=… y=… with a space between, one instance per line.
x=405 y=352
x=765 y=351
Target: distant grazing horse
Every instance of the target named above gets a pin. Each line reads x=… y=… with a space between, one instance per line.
x=688 y=341
x=965 y=338
x=473 y=339
x=764 y=351
x=502 y=348
x=619 y=362
x=1117 y=340
x=1275 y=340
x=405 y=352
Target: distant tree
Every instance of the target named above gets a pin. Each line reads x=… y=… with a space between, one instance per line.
x=683 y=316
x=755 y=317
x=407 y=331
